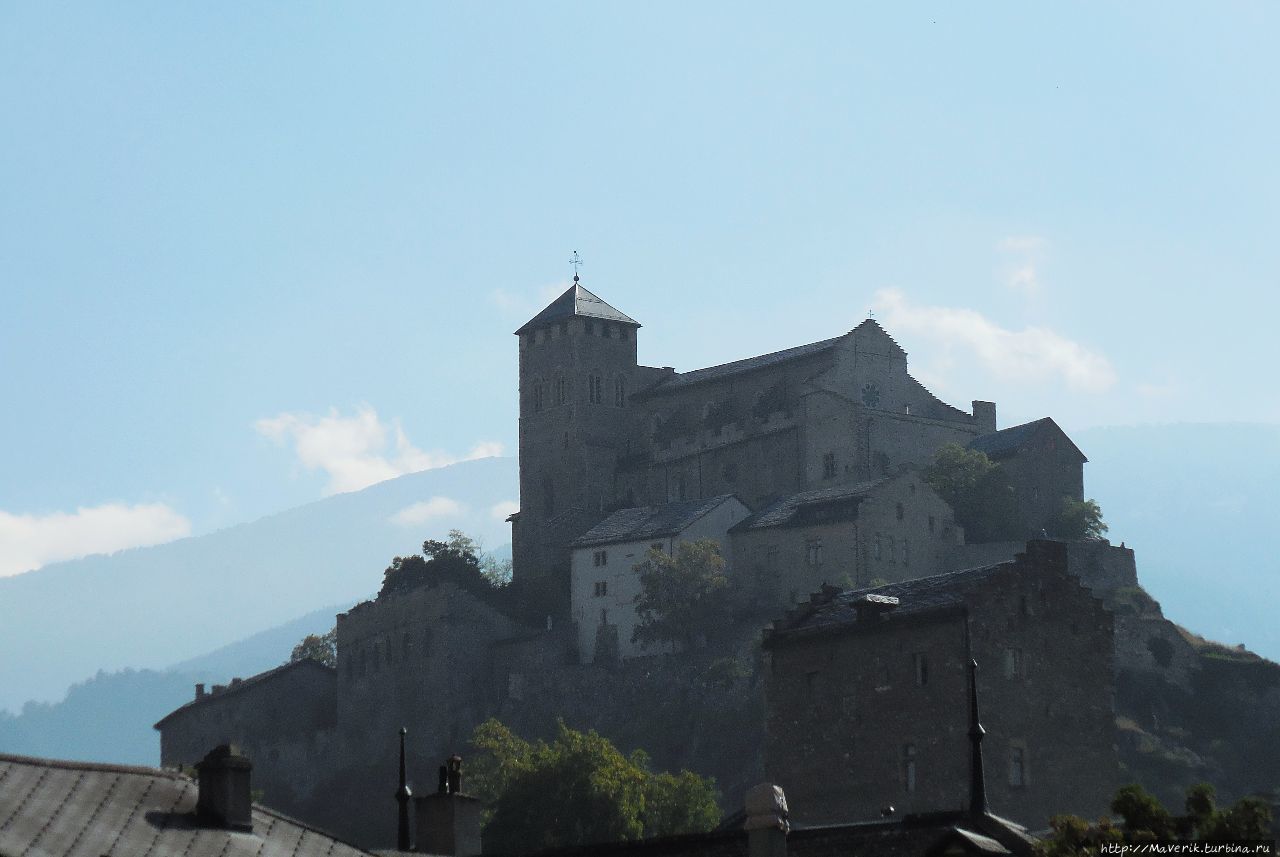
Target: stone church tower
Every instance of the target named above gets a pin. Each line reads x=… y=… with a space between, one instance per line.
x=577 y=368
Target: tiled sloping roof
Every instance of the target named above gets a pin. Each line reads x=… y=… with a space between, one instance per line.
x=52 y=808
x=1007 y=441
x=909 y=836
x=915 y=598
x=251 y=681
x=680 y=380
x=577 y=301
x=648 y=522
x=782 y=512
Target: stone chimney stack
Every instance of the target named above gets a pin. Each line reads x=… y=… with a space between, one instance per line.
x=984 y=416
x=767 y=824
x=448 y=822
x=224 y=789
x=200 y=691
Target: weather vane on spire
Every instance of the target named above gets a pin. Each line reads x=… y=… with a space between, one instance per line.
x=576 y=262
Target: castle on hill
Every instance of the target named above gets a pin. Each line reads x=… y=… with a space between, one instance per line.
x=804 y=466
x=600 y=432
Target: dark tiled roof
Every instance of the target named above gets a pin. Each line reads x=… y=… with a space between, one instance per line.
x=998 y=444
x=916 y=598
x=80 y=809
x=249 y=682
x=680 y=380
x=648 y=522
x=910 y=836
x=785 y=511
x=577 y=301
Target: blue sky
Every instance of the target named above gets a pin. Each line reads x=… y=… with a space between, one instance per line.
x=251 y=254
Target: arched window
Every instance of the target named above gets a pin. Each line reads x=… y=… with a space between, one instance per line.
x=595 y=388
x=539 y=389
x=562 y=394
x=620 y=392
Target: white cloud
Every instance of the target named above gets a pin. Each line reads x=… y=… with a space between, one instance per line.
x=30 y=541
x=357 y=451
x=1031 y=354
x=501 y=511
x=427 y=510
x=1025 y=254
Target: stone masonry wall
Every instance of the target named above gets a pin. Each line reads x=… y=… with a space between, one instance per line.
x=1044 y=646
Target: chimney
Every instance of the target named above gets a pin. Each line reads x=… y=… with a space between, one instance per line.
x=224 y=789
x=984 y=416
x=448 y=822
x=200 y=691
x=766 y=825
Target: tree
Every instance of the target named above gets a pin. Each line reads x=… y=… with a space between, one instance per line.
x=681 y=596
x=1078 y=519
x=579 y=789
x=978 y=491
x=457 y=560
x=318 y=647
x=1146 y=820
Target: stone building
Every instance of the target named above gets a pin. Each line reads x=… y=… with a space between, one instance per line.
x=820 y=441
x=1042 y=463
x=867 y=693
x=852 y=535
x=280 y=717
x=604 y=582
x=599 y=432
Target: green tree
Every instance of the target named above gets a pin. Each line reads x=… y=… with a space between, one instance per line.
x=681 y=596
x=1078 y=519
x=579 y=789
x=1144 y=816
x=458 y=560
x=978 y=491
x=318 y=647
x=1146 y=819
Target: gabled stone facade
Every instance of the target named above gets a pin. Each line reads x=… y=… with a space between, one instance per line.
x=867 y=693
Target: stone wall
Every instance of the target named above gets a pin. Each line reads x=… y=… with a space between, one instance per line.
x=785 y=563
x=854 y=725
x=269 y=709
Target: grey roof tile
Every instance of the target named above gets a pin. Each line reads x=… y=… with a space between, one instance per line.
x=680 y=380
x=52 y=808
x=648 y=522
x=916 y=598
x=782 y=512
x=577 y=301
x=998 y=444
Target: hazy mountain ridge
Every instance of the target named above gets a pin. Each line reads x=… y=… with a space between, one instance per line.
x=150 y=607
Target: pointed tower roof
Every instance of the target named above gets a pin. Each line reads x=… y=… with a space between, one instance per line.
x=577 y=301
